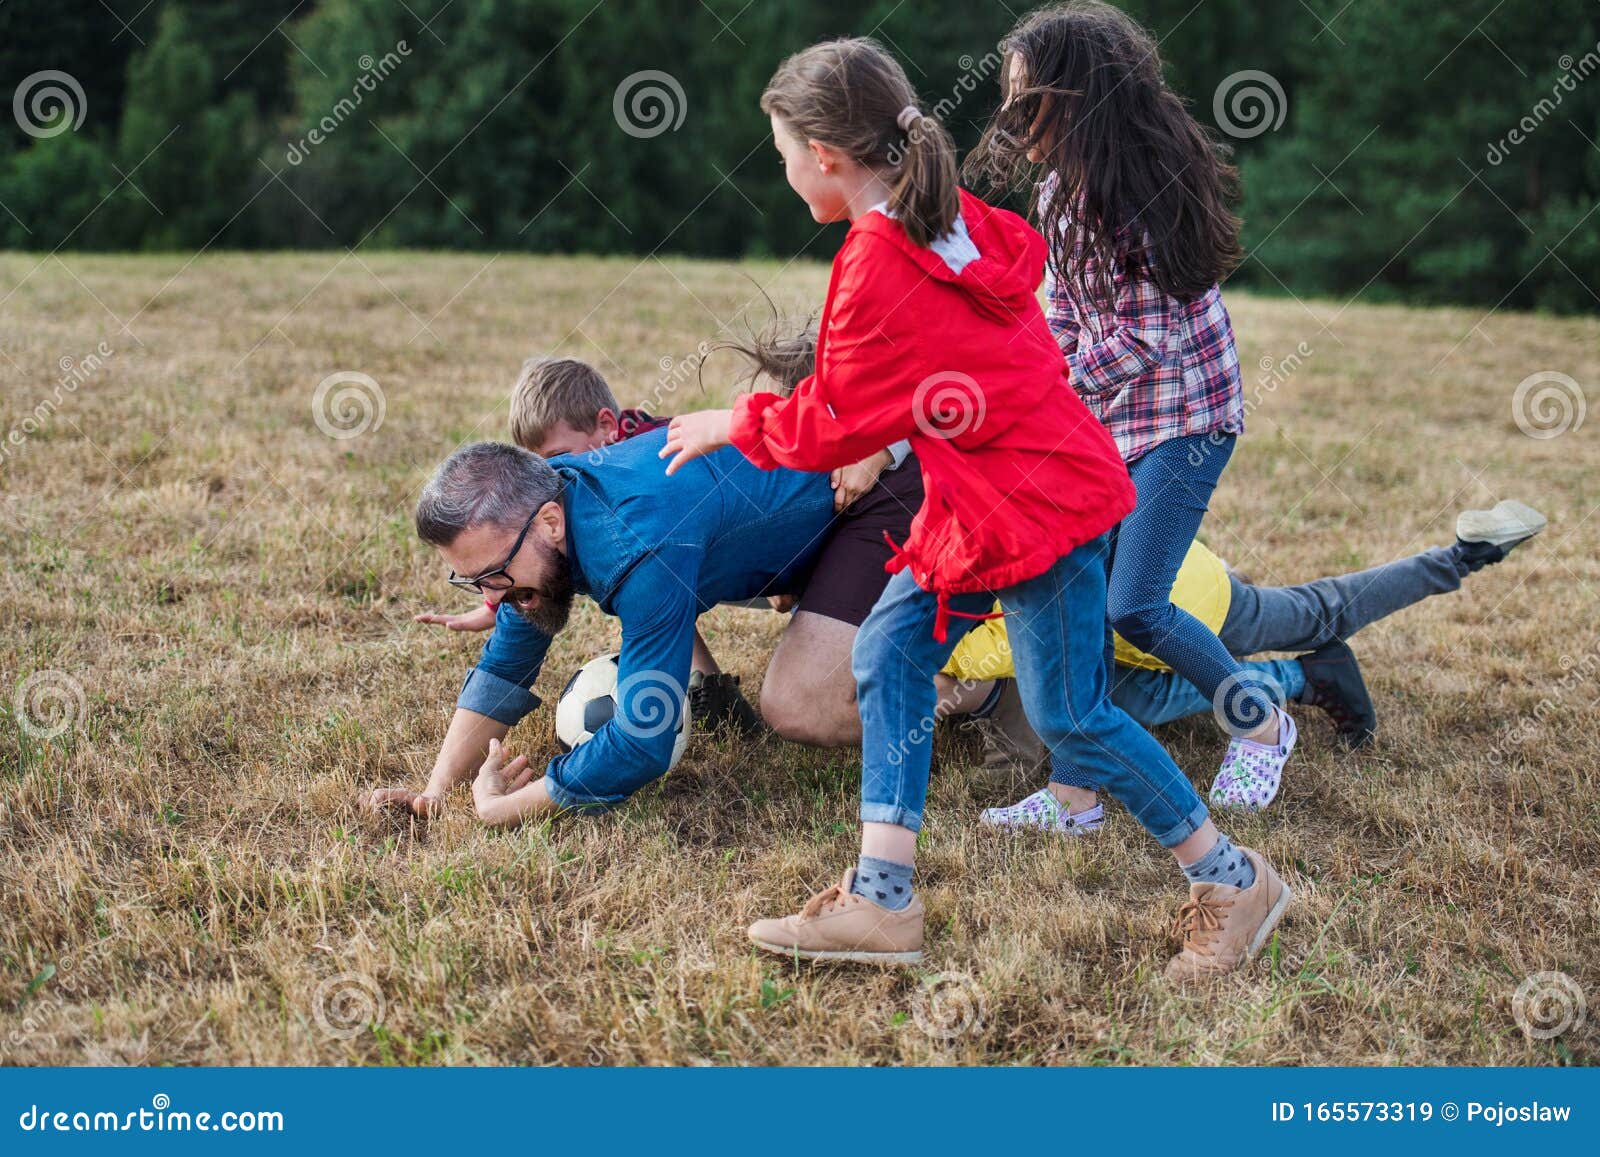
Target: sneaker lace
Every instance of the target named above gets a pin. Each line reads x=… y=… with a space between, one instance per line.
x=1199 y=921
x=822 y=902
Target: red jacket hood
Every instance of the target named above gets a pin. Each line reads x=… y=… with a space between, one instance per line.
x=1010 y=263
x=1016 y=471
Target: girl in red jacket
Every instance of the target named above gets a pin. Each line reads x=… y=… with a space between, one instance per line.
x=931 y=332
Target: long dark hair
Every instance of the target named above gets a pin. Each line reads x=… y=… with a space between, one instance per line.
x=1141 y=183
x=784 y=350
x=849 y=95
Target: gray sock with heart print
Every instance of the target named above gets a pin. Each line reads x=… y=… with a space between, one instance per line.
x=884 y=882
x=1223 y=864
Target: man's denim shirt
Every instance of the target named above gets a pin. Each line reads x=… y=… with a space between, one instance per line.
x=655 y=552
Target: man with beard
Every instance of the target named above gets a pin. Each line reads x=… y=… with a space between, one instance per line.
x=653 y=551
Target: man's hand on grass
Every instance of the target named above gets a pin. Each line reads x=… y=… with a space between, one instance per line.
x=497 y=779
x=400 y=800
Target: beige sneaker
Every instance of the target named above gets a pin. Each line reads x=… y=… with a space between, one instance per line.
x=838 y=925
x=1223 y=927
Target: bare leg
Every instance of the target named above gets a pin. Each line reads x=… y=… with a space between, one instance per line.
x=703 y=660
x=958 y=697
x=809 y=692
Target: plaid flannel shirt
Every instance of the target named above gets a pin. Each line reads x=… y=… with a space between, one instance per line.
x=1152 y=368
x=631 y=422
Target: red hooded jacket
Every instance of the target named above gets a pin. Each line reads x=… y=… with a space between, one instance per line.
x=1017 y=471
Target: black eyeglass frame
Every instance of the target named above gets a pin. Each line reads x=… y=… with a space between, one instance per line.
x=480 y=582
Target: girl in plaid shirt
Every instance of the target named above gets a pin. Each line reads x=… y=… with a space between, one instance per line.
x=1134 y=204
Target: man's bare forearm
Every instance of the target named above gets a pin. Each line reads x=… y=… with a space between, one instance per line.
x=465 y=746
x=529 y=803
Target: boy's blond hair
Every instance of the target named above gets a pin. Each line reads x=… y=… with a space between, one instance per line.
x=551 y=390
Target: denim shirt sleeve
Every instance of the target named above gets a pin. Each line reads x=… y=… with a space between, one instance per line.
x=510 y=662
x=657 y=605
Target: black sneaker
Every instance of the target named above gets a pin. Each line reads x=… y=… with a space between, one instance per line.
x=715 y=700
x=1334 y=684
x=1487 y=536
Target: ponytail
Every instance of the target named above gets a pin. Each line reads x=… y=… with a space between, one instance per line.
x=853 y=96
x=923 y=195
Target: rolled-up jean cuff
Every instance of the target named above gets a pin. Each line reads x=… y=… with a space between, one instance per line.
x=500 y=699
x=890 y=813
x=1191 y=824
x=570 y=800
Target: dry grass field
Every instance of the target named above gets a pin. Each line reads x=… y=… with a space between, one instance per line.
x=206 y=654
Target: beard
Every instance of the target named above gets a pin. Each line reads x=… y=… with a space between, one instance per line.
x=555 y=595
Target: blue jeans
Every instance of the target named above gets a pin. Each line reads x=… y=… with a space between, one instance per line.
x=1157 y=697
x=1175 y=481
x=1297 y=618
x=1056 y=626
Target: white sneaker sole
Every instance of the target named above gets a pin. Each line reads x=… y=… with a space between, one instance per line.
x=1509 y=521
x=852 y=957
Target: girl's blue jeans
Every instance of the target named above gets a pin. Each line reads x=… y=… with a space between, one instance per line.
x=1056 y=624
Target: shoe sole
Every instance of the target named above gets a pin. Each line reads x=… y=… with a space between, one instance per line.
x=851 y=957
x=1017 y=829
x=1510 y=521
x=1268 y=925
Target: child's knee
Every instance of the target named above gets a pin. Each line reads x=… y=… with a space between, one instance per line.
x=1072 y=729
x=1144 y=626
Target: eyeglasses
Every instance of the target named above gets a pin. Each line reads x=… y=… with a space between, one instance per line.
x=490 y=580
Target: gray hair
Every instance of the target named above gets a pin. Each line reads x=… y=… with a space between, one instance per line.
x=484 y=484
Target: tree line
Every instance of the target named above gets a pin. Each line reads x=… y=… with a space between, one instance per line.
x=1402 y=149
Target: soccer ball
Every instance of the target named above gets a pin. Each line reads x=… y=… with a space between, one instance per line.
x=589 y=701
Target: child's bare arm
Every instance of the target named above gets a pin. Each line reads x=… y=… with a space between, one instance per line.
x=851 y=482
x=481 y=619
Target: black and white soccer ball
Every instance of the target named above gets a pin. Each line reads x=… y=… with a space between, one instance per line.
x=589 y=701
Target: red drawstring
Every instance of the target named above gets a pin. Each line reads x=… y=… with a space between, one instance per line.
x=941 y=616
